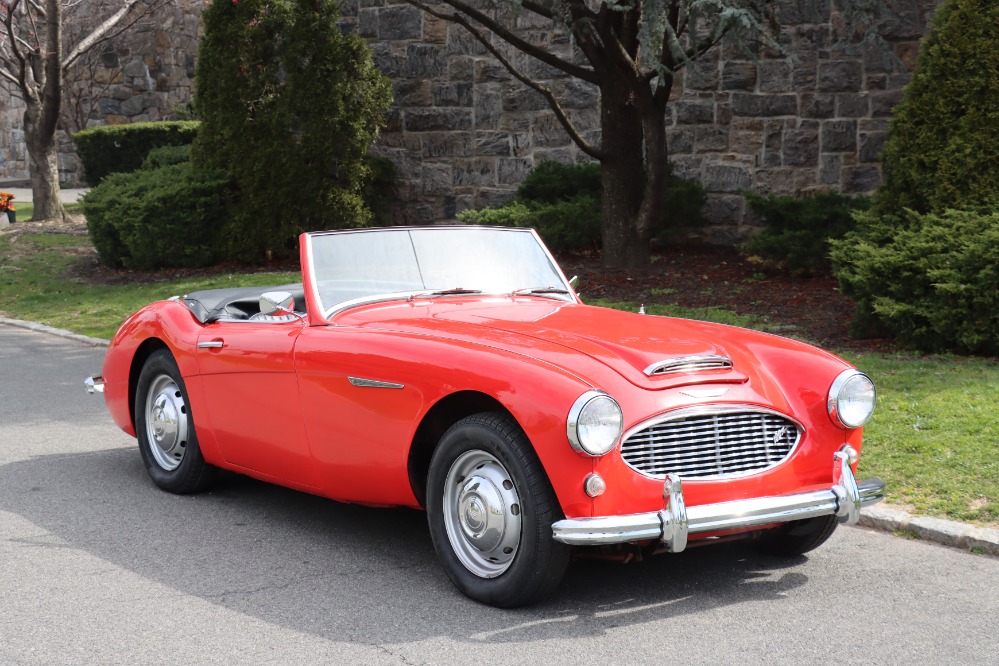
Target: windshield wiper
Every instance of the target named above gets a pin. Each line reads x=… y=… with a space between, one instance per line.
x=456 y=291
x=539 y=290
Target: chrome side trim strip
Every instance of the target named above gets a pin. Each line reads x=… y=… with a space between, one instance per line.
x=844 y=498
x=374 y=383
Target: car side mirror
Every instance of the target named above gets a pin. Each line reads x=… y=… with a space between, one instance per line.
x=277 y=302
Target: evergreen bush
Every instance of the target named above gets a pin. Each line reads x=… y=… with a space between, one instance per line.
x=121 y=148
x=568 y=224
x=289 y=106
x=941 y=150
x=167 y=156
x=931 y=280
x=163 y=217
x=798 y=229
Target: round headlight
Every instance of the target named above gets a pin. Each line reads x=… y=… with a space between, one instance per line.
x=595 y=423
x=851 y=399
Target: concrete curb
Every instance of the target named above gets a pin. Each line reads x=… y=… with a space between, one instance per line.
x=946 y=532
x=880 y=517
x=62 y=333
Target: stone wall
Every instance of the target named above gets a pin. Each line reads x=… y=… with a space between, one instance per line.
x=464 y=133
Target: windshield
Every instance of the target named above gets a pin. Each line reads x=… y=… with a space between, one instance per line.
x=362 y=265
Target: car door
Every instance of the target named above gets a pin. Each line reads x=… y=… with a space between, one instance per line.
x=248 y=370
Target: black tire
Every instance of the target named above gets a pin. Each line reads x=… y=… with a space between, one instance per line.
x=508 y=476
x=798 y=537
x=164 y=426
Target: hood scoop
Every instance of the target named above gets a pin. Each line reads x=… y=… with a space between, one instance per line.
x=680 y=364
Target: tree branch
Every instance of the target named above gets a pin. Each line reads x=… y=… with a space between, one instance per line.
x=10 y=77
x=537 y=8
x=517 y=42
x=99 y=33
x=560 y=113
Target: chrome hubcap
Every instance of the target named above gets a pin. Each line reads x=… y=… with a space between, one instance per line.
x=166 y=422
x=482 y=513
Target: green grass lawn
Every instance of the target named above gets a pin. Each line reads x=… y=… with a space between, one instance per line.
x=934 y=437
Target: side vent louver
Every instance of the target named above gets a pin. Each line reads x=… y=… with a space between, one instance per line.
x=688 y=364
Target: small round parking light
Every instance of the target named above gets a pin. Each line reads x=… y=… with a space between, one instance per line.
x=595 y=486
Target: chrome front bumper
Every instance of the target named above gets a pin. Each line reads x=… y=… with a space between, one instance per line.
x=675 y=522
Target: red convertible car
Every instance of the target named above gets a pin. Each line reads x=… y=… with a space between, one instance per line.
x=455 y=369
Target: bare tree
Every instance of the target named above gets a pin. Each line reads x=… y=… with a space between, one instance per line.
x=34 y=59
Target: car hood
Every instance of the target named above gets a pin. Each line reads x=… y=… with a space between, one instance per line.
x=626 y=342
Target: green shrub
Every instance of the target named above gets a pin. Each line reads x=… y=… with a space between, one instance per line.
x=157 y=218
x=932 y=280
x=572 y=224
x=167 y=156
x=380 y=190
x=289 y=106
x=941 y=150
x=798 y=229
x=555 y=181
x=122 y=148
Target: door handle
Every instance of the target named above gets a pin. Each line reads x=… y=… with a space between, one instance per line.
x=211 y=344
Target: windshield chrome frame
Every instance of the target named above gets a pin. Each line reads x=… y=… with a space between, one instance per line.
x=332 y=311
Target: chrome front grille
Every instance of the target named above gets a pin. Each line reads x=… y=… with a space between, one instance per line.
x=699 y=444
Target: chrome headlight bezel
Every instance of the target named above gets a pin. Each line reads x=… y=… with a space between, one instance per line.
x=846 y=380
x=575 y=427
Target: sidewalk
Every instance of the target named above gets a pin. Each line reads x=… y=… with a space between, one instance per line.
x=23 y=194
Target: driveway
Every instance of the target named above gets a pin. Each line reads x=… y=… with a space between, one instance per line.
x=99 y=566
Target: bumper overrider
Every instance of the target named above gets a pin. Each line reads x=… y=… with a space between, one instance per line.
x=675 y=522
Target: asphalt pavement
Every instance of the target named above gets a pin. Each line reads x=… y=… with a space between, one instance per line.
x=99 y=566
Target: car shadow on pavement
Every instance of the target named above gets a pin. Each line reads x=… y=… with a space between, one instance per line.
x=348 y=572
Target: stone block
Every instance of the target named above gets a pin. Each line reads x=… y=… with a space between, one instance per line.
x=871 y=144
x=724 y=178
x=840 y=76
x=853 y=105
x=566 y=154
x=412 y=92
x=861 y=179
x=437 y=120
x=461 y=41
x=710 y=139
x=801 y=148
x=882 y=103
x=434 y=30
x=452 y=94
x=447 y=144
x=775 y=76
x=818 y=105
x=478 y=172
x=461 y=68
x=512 y=170
x=738 y=76
x=839 y=136
x=389 y=60
x=493 y=197
x=694 y=112
x=520 y=142
x=576 y=94
x=745 y=104
x=109 y=106
x=487 y=69
x=724 y=210
x=748 y=142
x=135 y=69
x=493 y=143
x=488 y=107
x=679 y=141
x=425 y=61
x=518 y=97
x=547 y=132
x=830 y=169
x=399 y=22
x=778 y=180
x=367 y=23
x=436 y=178
x=701 y=75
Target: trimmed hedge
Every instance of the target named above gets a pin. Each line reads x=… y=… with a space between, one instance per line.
x=930 y=280
x=155 y=218
x=121 y=148
x=572 y=224
x=798 y=229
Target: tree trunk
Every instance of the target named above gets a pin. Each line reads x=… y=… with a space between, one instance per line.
x=625 y=237
x=44 y=164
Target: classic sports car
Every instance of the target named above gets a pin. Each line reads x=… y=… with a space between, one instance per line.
x=455 y=369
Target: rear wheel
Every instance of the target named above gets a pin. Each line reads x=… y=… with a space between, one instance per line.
x=164 y=427
x=490 y=508
x=798 y=537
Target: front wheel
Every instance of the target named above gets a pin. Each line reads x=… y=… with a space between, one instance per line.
x=798 y=537
x=164 y=427
x=490 y=508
